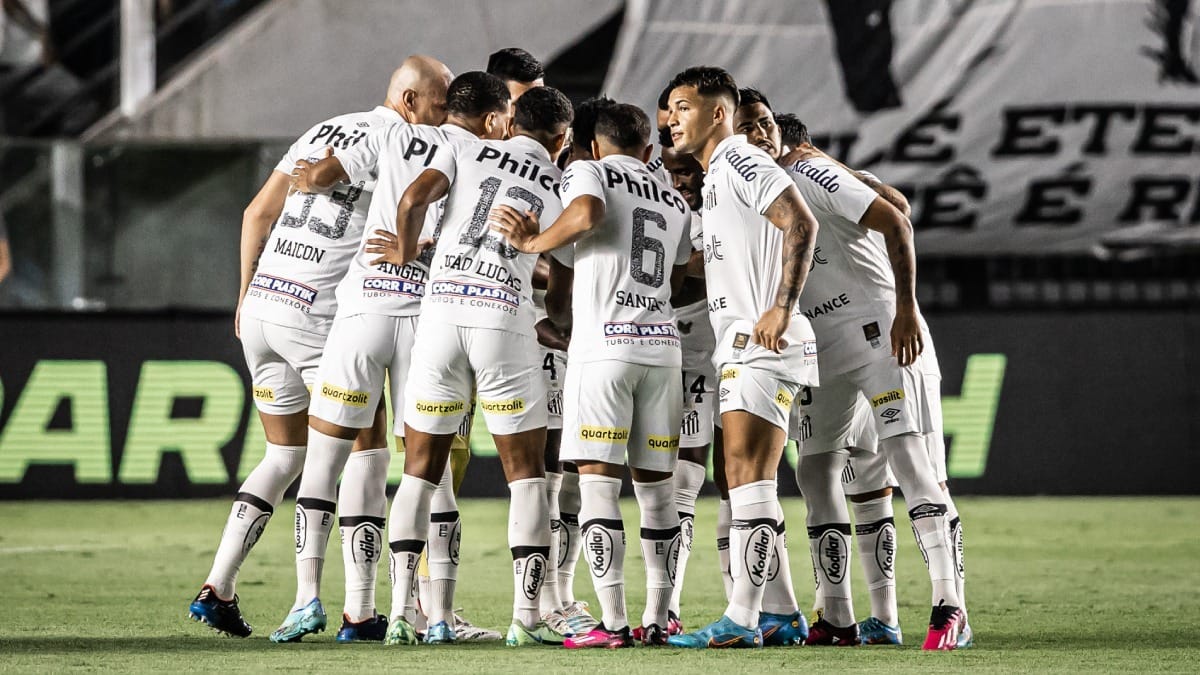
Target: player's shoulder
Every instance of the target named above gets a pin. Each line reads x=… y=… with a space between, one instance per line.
x=738 y=157
x=819 y=173
x=347 y=129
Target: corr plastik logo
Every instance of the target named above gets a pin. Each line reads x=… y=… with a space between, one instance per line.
x=350 y=397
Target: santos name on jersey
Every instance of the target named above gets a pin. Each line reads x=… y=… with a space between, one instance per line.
x=850 y=295
x=395 y=157
x=621 y=302
x=316 y=234
x=743 y=261
x=477 y=278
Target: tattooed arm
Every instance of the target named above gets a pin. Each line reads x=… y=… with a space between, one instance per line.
x=881 y=216
x=789 y=213
x=889 y=193
x=257 y=220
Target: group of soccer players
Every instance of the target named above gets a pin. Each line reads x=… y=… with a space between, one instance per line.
x=608 y=304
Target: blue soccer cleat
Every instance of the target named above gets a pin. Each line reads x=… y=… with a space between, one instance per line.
x=367 y=630
x=720 y=634
x=307 y=620
x=872 y=631
x=221 y=615
x=966 y=637
x=440 y=633
x=782 y=630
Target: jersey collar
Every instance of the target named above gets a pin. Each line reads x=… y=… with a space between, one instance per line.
x=531 y=146
x=387 y=112
x=453 y=131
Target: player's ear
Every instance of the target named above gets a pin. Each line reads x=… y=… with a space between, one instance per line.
x=595 y=149
x=409 y=98
x=646 y=153
x=489 y=123
x=559 y=142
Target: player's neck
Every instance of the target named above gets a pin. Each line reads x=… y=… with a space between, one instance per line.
x=706 y=152
x=397 y=108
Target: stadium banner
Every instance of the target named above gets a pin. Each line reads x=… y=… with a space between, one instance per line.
x=1007 y=132
x=142 y=406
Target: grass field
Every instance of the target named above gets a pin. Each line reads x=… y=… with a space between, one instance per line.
x=1053 y=584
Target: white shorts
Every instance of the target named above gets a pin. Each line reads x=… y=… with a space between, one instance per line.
x=866 y=471
x=935 y=440
x=449 y=362
x=822 y=423
x=699 y=408
x=897 y=402
x=761 y=393
x=361 y=350
x=554 y=372
x=283 y=364
x=615 y=410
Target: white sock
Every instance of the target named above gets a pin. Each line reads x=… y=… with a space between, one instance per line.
x=909 y=460
x=875 y=533
x=779 y=596
x=604 y=545
x=689 y=479
x=363 y=503
x=755 y=508
x=956 y=548
x=408 y=525
x=570 y=542
x=828 y=523
x=660 y=538
x=252 y=509
x=315 y=505
x=550 y=599
x=443 y=539
x=529 y=542
x=724 y=519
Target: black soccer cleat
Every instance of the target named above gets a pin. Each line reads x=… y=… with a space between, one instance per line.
x=223 y=616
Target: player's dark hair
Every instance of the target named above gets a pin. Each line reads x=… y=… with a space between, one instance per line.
x=624 y=125
x=709 y=81
x=664 y=99
x=476 y=93
x=792 y=131
x=583 y=128
x=514 y=63
x=751 y=96
x=543 y=109
x=664 y=137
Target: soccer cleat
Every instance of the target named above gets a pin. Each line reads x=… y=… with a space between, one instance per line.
x=944 y=624
x=872 y=631
x=601 y=637
x=966 y=637
x=368 y=630
x=440 y=633
x=782 y=630
x=400 y=632
x=469 y=632
x=558 y=623
x=307 y=620
x=541 y=634
x=720 y=634
x=674 y=624
x=222 y=616
x=652 y=636
x=578 y=617
x=825 y=634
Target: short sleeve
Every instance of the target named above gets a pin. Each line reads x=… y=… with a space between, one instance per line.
x=289 y=159
x=683 y=250
x=830 y=188
x=580 y=179
x=565 y=255
x=768 y=183
x=696 y=232
x=445 y=160
x=361 y=159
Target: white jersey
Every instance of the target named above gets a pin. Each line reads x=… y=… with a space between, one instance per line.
x=656 y=167
x=850 y=295
x=743 y=261
x=695 y=330
x=395 y=157
x=621 y=304
x=316 y=235
x=478 y=279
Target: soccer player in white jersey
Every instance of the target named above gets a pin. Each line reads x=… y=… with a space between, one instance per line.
x=623 y=393
x=477 y=332
x=697 y=343
x=860 y=290
x=371 y=340
x=758 y=240
x=285 y=310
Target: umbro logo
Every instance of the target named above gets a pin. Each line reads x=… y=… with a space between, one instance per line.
x=890 y=415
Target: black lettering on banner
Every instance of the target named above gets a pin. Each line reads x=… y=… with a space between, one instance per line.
x=1024 y=131
x=643 y=243
x=951 y=201
x=1096 y=143
x=1163 y=197
x=1159 y=132
x=837 y=145
x=1049 y=200
x=920 y=143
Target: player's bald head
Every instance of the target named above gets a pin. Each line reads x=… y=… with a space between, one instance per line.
x=417 y=89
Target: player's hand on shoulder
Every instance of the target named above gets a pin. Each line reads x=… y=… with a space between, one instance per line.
x=386 y=245
x=768 y=332
x=301 y=175
x=519 y=228
x=907 y=343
